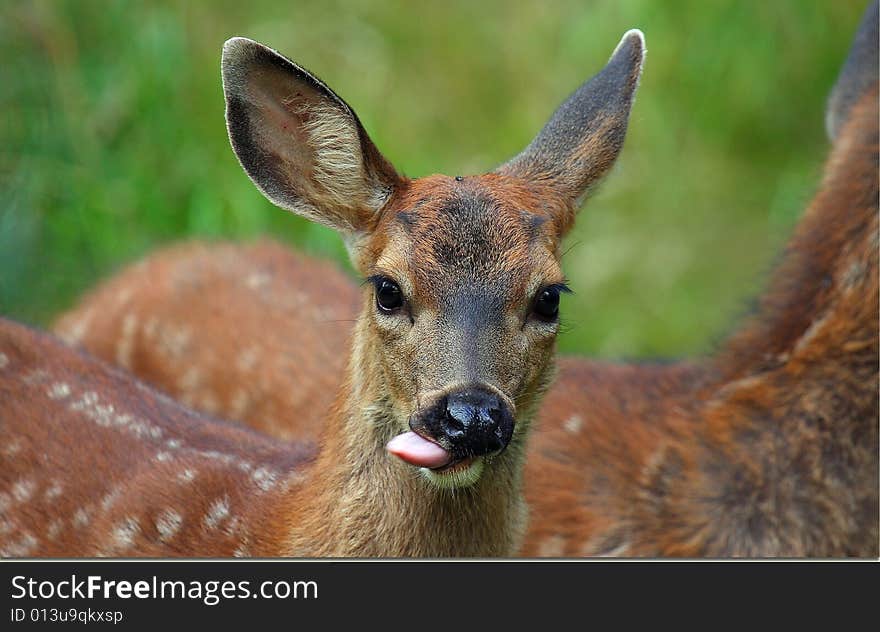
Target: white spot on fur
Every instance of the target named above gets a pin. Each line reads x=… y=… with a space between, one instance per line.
x=217 y=513
x=59 y=390
x=5 y=501
x=77 y=330
x=82 y=517
x=248 y=359
x=53 y=492
x=137 y=427
x=174 y=342
x=552 y=546
x=89 y=398
x=106 y=416
x=573 y=424
x=125 y=346
x=36 y=377
x=232 y=527
x=173 y=444
x=265 y=478
x=241 y=551
x=13 y=447
x=4 y=361
x=617 y=551
x=54 y=528
x=110 y=499
x=23 y=489
x=186 y=476
x=232 y=460
x=125 y=533
x=214 y=455
x=257 y=280
x=163 y=457
x=21 y=547
x=122 y=420
x=168 y=524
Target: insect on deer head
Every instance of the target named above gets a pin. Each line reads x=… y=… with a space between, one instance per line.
x=456 y=340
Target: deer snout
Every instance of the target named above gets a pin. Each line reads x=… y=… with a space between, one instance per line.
x=470 y=422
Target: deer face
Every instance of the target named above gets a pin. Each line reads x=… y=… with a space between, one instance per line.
x=462 y=275
x=464 y=290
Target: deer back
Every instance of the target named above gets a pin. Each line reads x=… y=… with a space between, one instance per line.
x=98 y=464
x=250 y=331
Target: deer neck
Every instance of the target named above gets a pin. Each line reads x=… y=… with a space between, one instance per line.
x=363 y=502
x=829 y=253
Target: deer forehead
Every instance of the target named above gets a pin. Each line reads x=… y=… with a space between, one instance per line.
x=486 y=234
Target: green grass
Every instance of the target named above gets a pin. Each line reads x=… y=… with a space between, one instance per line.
x=112 y=139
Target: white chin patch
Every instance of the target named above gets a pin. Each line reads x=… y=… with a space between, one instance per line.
x=458 y=476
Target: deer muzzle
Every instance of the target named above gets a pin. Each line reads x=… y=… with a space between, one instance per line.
x=461 y=425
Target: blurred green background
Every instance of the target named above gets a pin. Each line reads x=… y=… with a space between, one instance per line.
x=112 y=139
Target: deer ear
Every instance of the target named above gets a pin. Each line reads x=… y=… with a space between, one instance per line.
x=299 y=142
x=859 y=73
x=582 y=139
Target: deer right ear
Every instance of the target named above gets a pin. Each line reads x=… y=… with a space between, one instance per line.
x=859 y=72
x=582 y=139
x=299 y=142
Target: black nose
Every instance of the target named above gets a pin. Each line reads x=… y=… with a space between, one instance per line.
x=475 y=421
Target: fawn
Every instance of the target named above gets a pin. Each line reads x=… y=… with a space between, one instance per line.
x=768 y=448
x=423 y=450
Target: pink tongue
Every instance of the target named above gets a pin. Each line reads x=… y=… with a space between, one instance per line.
x=416 y=450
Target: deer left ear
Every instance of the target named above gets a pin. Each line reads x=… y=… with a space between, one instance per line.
x=585 y=134
x=300 y=143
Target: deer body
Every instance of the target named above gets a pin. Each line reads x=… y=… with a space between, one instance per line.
x=421 y=453
x=278 y=365
x=113 y=469
x=767 y=448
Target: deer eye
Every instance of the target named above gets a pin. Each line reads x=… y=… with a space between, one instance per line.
x=388 y=295
x=547 y=301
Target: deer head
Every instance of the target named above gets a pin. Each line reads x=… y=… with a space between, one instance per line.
x=456 y=338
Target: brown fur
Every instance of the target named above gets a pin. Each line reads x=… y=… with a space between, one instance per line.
x=153 y=320
x=94 y=463
x=768 y=448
